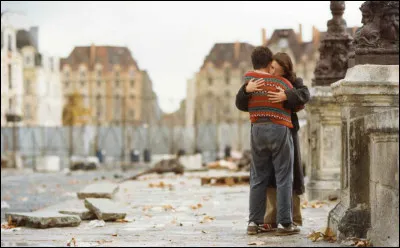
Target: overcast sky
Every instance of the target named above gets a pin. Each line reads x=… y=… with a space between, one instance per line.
x=168 y=39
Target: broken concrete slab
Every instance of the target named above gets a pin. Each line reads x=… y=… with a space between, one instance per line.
x=104 y=209
x=43 y=219
x=99 y=190
x=83 y=213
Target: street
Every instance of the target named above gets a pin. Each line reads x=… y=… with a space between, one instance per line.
x=162 y=210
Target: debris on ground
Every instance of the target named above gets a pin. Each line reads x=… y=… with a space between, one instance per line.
x=4 y=205
x=332 y=197
x=225 y=180
x=96 y=223
x=222 y=164
x=199 y=205
x=357 y=242
x=207 y=219
x=163 y=166
x=325 y=234
x=161 y=184
x=257 y=243
x=72 y=243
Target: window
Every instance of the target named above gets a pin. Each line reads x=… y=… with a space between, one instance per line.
x=98 y=82
x=132 y=113
x=117 y=74
x=27 y=87
x=132 y=83
x=132 y=73
x=27 y=111
x=98 y=104
x=28 y=60
x=51 y=64
x=132 y=97
x=227 y=75
x=9 y=76
x=10 y=104
x=66 y=74
x=82 y=83
x=210 y=81
x=98 y=73
x=117 y=107
x=83 y=74
x=227 y=110
x=9 y=43
x=66 y=83
x=116 y=83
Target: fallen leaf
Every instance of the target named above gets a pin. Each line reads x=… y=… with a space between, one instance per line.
x=72 y=243
x=114 y=235
x=104 y=241
x=207 y=219
x=121 y=220
x=315 y=236
x=168 y=207
x=257 y=243
x=145 y=208
x=203 y=231
x=361 y=242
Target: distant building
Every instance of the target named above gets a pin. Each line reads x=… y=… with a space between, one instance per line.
x=217 y=82
x=111 y=83
x=304 y=54
x=12 y=87
x=42 y=86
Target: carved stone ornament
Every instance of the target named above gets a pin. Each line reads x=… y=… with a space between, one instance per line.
x=334 y=48
x=379 y=34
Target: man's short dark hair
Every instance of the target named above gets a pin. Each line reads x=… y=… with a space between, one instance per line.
x=261 y=57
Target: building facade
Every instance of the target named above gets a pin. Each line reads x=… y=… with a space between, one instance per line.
x=110 y=81
x=11 y=74
x=218 y=81
x=41 y=78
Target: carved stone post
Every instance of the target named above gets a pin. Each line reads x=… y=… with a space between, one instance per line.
x=324 y=113
x=369 y=102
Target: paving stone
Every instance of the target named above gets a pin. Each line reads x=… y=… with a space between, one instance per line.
x=99 y=190
x=83 y=213
x=104 y=209
x=43 y=219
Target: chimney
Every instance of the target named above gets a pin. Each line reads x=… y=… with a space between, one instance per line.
x=315 y=36
x=263 y=37
x=34 y=33
x=300 y=34
x=236 y=50
x=92 y=55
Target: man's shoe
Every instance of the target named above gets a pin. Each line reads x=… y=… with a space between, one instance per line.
x=252 y=228
x=289 y=230
x=266 y=227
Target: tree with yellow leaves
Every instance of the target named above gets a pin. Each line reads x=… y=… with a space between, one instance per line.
x=74 y=112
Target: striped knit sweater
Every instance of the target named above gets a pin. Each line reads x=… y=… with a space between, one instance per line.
x=259 y=104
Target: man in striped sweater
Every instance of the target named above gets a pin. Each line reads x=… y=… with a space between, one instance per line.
x=271 y=147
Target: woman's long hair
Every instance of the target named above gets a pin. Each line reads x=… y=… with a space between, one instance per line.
x=284 y=60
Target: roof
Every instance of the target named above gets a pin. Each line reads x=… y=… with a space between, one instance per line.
x=300 y=48
x=107 y=56
x=292 y=40
x=24 y=38
x=224 y=52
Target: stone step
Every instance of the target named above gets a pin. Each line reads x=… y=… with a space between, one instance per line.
x=225 y=180
x=104 y=209
x=99 y=190
x=83 y=213
x=43 y=219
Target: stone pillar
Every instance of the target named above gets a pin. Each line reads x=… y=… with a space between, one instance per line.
x=369 y=102
x=324 y=122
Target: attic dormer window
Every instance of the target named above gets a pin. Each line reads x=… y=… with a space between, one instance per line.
x=283 y=43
